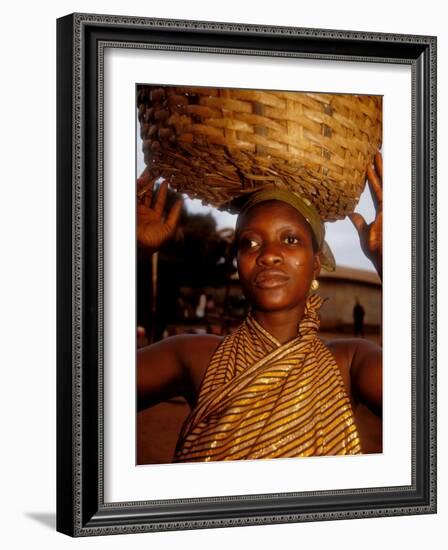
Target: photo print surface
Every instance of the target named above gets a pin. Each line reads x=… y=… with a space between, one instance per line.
x=259 y=267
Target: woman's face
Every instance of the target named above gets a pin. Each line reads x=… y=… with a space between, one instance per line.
x=276 y=260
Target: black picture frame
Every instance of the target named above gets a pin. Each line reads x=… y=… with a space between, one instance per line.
x=81 y=509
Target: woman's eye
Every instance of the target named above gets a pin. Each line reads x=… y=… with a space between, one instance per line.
x=291 y=239
x=251 y=243
x=248 y=244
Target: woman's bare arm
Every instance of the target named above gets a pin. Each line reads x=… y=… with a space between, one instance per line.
x=173 y=367
x=160 y=371
x=367 y=375
x=160 y=374
x=360 y=362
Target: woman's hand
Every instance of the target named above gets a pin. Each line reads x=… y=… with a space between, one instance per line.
x=153 y=228
x=371 y=235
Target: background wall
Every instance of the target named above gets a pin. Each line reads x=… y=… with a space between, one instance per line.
x=27 y=289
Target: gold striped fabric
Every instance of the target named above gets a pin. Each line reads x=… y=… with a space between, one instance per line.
x=263 y=399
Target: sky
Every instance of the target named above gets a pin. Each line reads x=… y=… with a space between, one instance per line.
x=340 y=235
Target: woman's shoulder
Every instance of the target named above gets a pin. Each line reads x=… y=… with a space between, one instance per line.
x=197 y=343
x=349 y=348
x=194 y=352
x=188 y=346
x=353 y=354
x=357 y=356
x=360 y=362
x=187 y=351
x=186 y=355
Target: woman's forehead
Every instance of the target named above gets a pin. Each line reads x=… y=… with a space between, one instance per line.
x=270 y=213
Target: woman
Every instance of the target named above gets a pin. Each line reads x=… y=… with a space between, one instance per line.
x=272 y=388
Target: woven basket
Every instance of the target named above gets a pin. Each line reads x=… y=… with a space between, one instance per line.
x=217 y=144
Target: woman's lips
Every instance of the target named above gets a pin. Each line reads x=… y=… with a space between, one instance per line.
x=271 y=278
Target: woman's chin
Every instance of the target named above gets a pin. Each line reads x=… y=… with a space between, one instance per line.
x=273 y=306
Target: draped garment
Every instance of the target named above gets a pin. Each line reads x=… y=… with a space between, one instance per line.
x=263 y=399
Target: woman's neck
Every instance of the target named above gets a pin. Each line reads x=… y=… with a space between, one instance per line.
x=283 y=325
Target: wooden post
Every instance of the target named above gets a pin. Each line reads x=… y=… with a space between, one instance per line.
x=154 y=270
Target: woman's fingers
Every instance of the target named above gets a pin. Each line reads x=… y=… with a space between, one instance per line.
x=362 y=228
x=145 y=185
x=360 y=224
x=143 y=181
x=159 y=202
x=379 y=165
x=375 y=186
x=155 y=226
x=376 y=233
x=173 y=215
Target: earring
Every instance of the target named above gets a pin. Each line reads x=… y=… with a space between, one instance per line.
x=314 y=284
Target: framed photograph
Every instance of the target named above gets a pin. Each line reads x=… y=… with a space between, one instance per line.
x=246 y=275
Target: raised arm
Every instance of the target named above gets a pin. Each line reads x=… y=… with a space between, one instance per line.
x=159 y=372
x=371 y=235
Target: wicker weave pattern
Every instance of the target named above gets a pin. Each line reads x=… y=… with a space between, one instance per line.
x=216 y=144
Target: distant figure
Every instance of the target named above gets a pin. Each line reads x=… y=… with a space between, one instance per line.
x=358 y=319
x=200 y=309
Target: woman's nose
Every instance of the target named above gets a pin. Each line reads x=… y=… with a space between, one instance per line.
x=269 y=255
